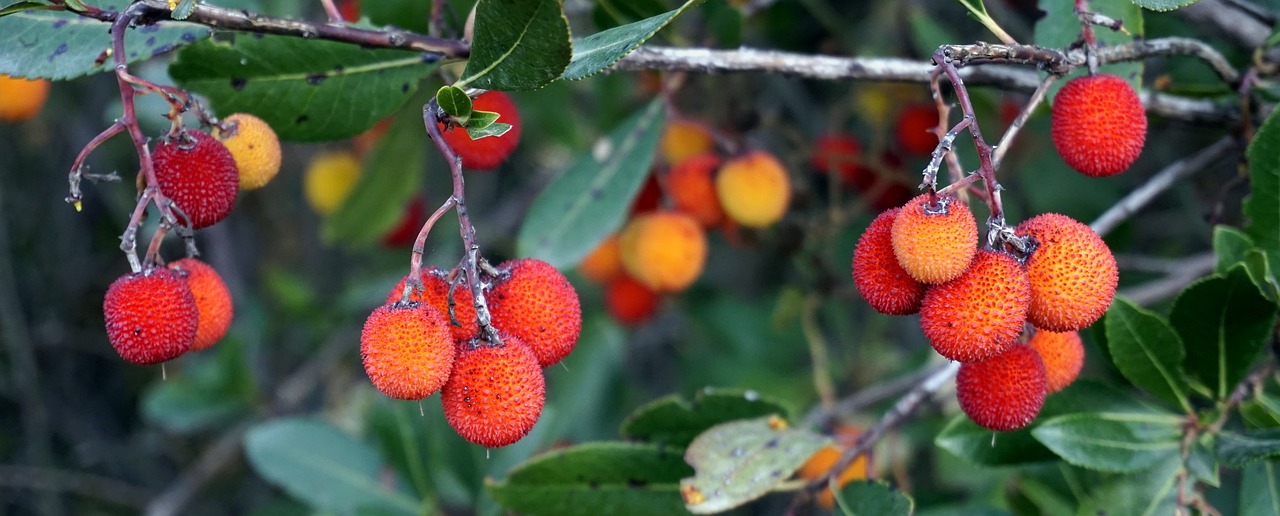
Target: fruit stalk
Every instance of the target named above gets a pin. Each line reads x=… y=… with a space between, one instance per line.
x=986 y=168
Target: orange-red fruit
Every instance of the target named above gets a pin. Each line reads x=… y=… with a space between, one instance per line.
x=535 y=303
x=915 y=129
x=692 y=187
x=435 y=292
x=1004 y=392
x=213 y=301
x=21 y=99
x=198 y=173
x=1063 y=356
x=629 y=301
x=1099 y=126
x=876 y=273
x=981 y=313
x=821 y=462
x=407 y=350
x=935 y=241
x=1073 y=274
x=151 y=316
x=604 y=263
x=495 y=394
x=840 y=154
x=487 y=153
x=664 y=250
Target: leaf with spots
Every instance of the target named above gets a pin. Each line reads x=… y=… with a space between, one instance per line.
x=307 y=90
x=675 y=421
x=740 y=461
x=62 y=45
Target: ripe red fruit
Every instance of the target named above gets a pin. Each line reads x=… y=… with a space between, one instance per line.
x=487 y=153
x=649 y=198
x=1099 y=125
x=840 y=154
x=213 y=301
x=151 y=316
x=981 y=313
x=935 y=241
x=1073 y=274
x=877 y=275
x=407 y=350
x=198 y=173
x=535 y=303
x=692 y=188
x=629 y=301
x=436 y=293
x=915 y=129
x=495 y=393
x=1004 y=392
x=1063 y=356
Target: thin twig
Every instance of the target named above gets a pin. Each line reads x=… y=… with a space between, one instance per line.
x=817 y=352
x=1006 y=140
x=1163 y=180
x=863 y=398
x=1166 y=287
x=74 y=482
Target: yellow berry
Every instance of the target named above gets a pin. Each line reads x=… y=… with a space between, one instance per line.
x=255 y=147
x=664 y=250
x=329 y=179
x=754 y=189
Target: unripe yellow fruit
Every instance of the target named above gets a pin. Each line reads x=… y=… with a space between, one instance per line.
x=21 y=99
x=255 y=147
x=754 y=189
x=684 y=139
x=664 y=250
x=329 y=179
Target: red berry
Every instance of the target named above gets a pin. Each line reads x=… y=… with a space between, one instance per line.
x=199 y=174
x=877 y=274
x=213 y=301
x=495 y=393
x=535 y=303
x=487 y=153
x=407 y=350
x=1073 y=273
x=151 y=316
x=435 y=292
x=916 y=124
x=1063 y=356
x=1004 y=392
x=981 y=313
x=692 y=188
x=629 y=301
x=1099 y=125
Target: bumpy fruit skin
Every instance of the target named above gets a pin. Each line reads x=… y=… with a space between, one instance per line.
x=213 y=301
x=21 y=99
x=877 y=275
x=604 y=263
x=629 y=301
x=692 y=188
x=535 y=303
x=436 y=293
x=684 y=139
x=199 y=175
x=329 y=179
x=495 y=394
x=488 y=153
x=664 y=250
x=1063 y=356
x=407 y=350
x=1004 y=392
x=821 y=462
x=935 y=242
x=1073 y=273
x=151 y=316
x=754 y=189
x=1099 y=126
x=255 y=147
x=915 y=129
x=981 y=313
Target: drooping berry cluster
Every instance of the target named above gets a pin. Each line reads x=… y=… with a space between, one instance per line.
x=492 y=392
x=157 y=314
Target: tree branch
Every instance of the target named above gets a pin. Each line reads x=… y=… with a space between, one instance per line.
x=1163 y=180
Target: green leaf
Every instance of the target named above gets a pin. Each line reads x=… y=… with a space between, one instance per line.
x=17 y=7
x=491 y=129
x=180 y=405
x=183 y=10
x=1260 y=488
x=400 y=434
x=596 y=478
x=481 y=120
x=1237 y=449
x=586 y=203
x=392 y=176
x=608 y=14
x=868 y=498
x=740 y=461
x=307 y=90
x=1230 y=245
x=1263 y=411
x=1121 y=442
x=519 y=45
x=1152 y=491
x=1224 y=322
x=599 y=51
x=1060 y=28
x=675 y=421
x=1262 y=275
x=319 y=465
x=62 y=45
x=1163 y=5
x=1147 y=351
x=1263 y=204
x=455 y=103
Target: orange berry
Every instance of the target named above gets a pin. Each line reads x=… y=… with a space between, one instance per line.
x=1099 y=125
x=435 y=292
x=821 y=462
x=151 y=316
x=693 y=189
x=407 y=350
x=21 y=99
x=535 y=303
x=683 y=139
x=1004 y=392
x=604 y=263
x=1073 y=274
x=935 y=242
x=877 y=274
x=197 y=173
x=1063 y=356
x=664 y=250
x=487 y=153
x=629 y=301
x=754 y=189
x=254 y=146
x=213 y=301
x=495 y=393
x=916 y=124
x=981 y=313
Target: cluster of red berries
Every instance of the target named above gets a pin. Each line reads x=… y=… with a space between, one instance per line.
x=974 y=303
x=431 y=340
x=160 y=313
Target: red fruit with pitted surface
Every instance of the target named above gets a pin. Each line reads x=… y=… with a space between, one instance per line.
x=199 y=174
x=981 y=313
x=1099 y=125
x=534 y=302
x=877 y=274
x=489 y=152
x=495 y=393
x=407 y=350
x=1004 y=392
x=151 y=316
